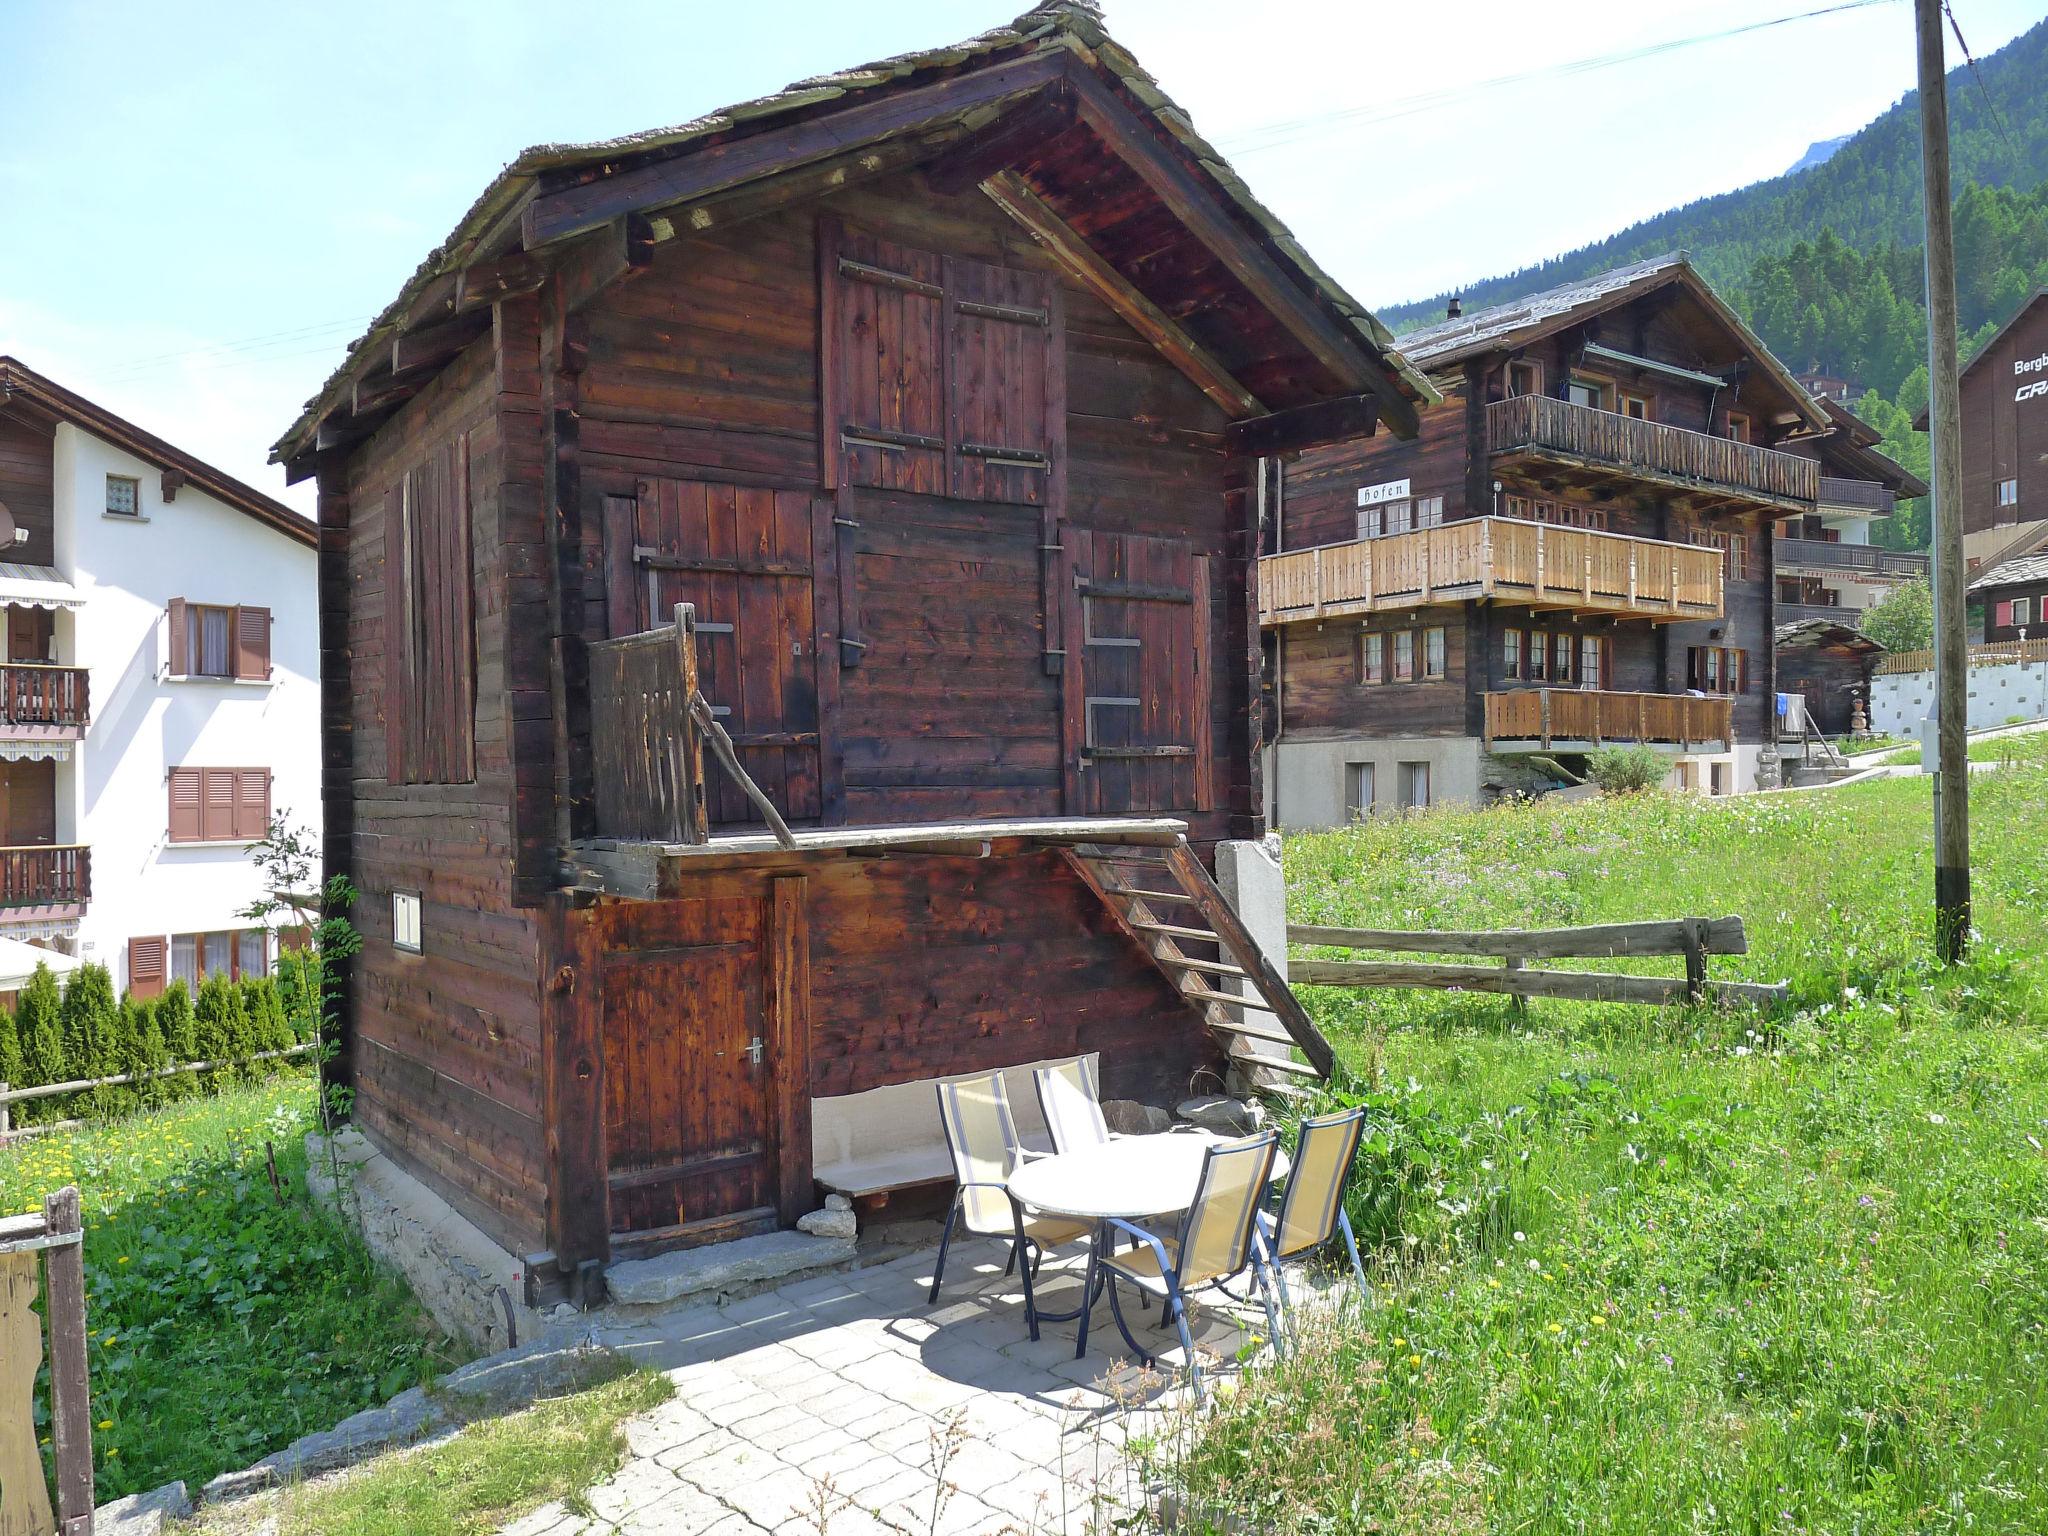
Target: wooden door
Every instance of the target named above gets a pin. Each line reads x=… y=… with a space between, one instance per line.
x=1138 y=704
x=742 y=555
x=28 y=634
x=28 y=803
x=689 y=1128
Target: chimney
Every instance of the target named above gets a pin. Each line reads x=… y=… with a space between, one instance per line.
x=1455 y=308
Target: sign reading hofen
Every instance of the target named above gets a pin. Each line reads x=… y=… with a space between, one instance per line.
x=1394 y=490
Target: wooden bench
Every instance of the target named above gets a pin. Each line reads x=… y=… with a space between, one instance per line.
x=866 y=1145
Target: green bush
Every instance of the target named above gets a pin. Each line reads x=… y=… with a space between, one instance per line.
x=174 y=1021
x=89 y=1021
x=139 y=1047
x=10 y=1048
x=220 y=1023
x=268 y=1030
x=38 y=1019
x=1626 y=770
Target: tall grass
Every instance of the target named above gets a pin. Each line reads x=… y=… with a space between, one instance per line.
x=1675 y=1270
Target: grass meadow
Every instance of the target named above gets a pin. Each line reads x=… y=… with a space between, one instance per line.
x=1679 y=1269
x=225 y=1315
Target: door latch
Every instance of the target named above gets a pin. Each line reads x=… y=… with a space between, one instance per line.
x=755 y=1047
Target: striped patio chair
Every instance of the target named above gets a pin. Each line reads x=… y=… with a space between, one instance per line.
x=1072 y=1102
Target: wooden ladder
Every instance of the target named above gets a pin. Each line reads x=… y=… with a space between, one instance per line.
x=1164 y=899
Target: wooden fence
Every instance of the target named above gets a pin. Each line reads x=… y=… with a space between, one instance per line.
x=43 y=1255
x=1998 y=653
x=1693 y=937
x=10 y=1095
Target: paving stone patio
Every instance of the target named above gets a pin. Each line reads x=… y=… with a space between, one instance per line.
x=845 y=1405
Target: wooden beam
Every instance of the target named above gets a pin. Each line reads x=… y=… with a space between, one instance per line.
x=1344 y=419
x=433 y=303
x=572 y=1085
x=789 y=1045
x=819 y=178
x=1020 y=201
x=1022 y=127
x=697 y=171
x=1582 y=986
x=487 y=282
x=1342 y=350
x=1717 y=935
x=171 y=482
x=429 y=346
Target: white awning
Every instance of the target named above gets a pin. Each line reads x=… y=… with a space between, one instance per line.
x=37 y=586
x=34 y=750
x=18 y=962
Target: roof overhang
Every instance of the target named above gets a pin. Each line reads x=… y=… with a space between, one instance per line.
x=991 y=105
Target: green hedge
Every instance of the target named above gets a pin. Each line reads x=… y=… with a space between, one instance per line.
x=63 y=1034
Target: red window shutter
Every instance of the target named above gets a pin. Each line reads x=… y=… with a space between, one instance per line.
x=252 y=803
x=218 y=806
x=187 y=824
x=252 y=643
x=146 y=966
x=1741 y=670
x=176 y=662
x=2002 y=615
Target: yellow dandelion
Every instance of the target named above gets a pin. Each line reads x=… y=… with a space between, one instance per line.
x=1415 y=1359
x=1557 y=1327
x=106 y=1423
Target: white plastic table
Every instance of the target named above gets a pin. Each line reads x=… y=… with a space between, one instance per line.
x=1127 y=1177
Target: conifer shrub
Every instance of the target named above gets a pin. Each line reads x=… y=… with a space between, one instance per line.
x=179 y=1030
x=10 y=1048
x=39 y=1024
x=220 y=1023
x=90 y=1020
x=139 y=1049
x=268 y=1030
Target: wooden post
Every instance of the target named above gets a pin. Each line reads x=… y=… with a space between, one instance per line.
x=696 y=817
x=1945 y=420
x=1543 y=703
x=6 y=1111
x=790 y=1041
x=1695 y=961
x=24 y=1496
x=70 y=1400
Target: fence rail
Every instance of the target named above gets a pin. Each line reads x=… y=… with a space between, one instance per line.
x=43 y=1254
x=10 y=1095
x=35 y=693
x=1540 y=424
x=1693 y=937
x=1997 y=653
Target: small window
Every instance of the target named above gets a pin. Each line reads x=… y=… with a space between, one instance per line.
x=1372 y=522
x=1400 y=516
x=1511 y=654
x=1414 y=786
x=2009 y=493
x=2022 y=610
x=1404 y=655
x=1433 y=651
x=1590 y=393
x=405 y=921
x=1525 y=379
x=1635 y=407
x=185 y=959
x=1518 y=506
x=252 y=952
x=1429 y=512
x=1372 y=658
x=233 y=953
x=1561 y=657
x=1592 y=656
x=1739 y=426
x=124 y=496
x=1539 y=656
x=208 y=640
x=1358 y=791
x=1718 y=669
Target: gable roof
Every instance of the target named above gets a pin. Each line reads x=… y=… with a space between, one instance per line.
x=557 y=192
x=2024 y=571
x=2027 y=307
x=1826 y=632
x=1518 y=323
x=20 y=383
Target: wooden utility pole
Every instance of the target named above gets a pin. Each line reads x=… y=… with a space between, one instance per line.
x=1945 y=421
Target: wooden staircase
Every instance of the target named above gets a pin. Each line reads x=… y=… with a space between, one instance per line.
x=1164 y=899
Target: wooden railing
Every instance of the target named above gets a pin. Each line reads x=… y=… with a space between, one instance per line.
x=1504 y=557
x=647 y=758
x=1997 y=653
x=1865 y=496
x=45 y=874
x=33 y=693
x=1864 y=559
x=1540 y=424
x=1545 y=716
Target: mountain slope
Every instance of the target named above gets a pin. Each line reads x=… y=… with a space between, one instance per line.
x=1868 y=191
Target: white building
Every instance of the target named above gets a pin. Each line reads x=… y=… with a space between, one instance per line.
x=1827 y=566
x=161 y=692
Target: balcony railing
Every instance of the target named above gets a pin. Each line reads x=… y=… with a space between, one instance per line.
x=1864 y=497
x=32 y=693
x=1540 y=426
x=1502 y=557
x=1548 y=718
x=51 y=874
x=1859 y=559
x=1795 y=613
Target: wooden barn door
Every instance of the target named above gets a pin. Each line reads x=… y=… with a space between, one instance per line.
x=706 y=1035
x=1138 y=703
x=742 y=555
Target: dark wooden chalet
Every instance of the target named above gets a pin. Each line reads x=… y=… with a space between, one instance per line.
x=1576 y=549
x=910 y=420
x=2005 y=440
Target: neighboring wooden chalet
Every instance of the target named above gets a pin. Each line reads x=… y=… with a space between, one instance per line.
x=1827 y=666
x=1827 y=566
x=912 y=417
x=1576 y=549
x=2005 y=440
x=2013 y=599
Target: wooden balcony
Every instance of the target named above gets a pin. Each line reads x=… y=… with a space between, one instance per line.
x=1855 y=498
x=43 y=700
x=1606 y=449
x=1822 y=557
x=1499 y=557
x=45 y=875
x=1579 y=719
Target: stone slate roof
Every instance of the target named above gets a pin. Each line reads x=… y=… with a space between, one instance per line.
x=2025 y=571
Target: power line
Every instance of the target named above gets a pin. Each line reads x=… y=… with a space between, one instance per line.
x=1287 y=131
x=1977 y=74
x=238 y=353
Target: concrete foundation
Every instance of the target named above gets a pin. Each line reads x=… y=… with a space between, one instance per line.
x=1900 y=701
x=464 y=1280
x=1307 y=781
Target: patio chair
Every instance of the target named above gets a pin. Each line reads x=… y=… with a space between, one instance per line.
x=1311 y=1210
x=982 y=1136
x=1072 y=1102
x=1218 y=1241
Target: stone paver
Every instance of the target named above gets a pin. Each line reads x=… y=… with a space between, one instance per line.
x=849 y=1400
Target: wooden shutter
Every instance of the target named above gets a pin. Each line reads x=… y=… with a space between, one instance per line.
x=217 y=804
x=146 y=966
x=429 y=628
x=177 y=663
x=252 y=803
x=1003 y=411
x=252 y=643
x=187 y=824
x=885 y=407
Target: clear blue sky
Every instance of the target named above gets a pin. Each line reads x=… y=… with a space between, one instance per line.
x=200 y=205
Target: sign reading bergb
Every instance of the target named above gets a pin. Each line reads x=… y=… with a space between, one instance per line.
x=2038 y=389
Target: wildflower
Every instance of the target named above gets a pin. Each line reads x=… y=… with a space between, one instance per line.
x=106 y=1423
x=1934 y=1119
x=122 y=1260
x=1399 y=1342
x=1557 y=1327
x=1414 y=1360
x=1492 y=1283
x=1599 y=1321
x=1521 y=1237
